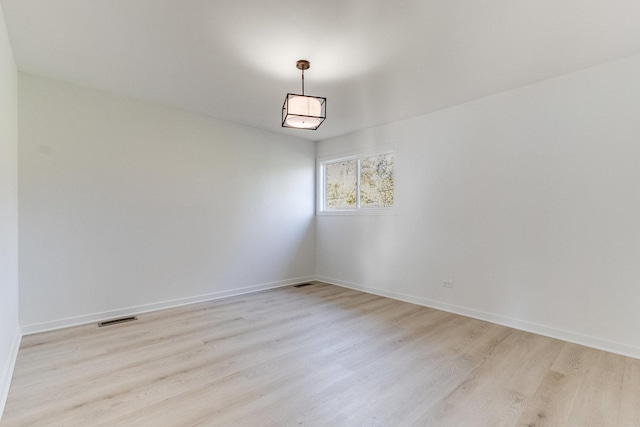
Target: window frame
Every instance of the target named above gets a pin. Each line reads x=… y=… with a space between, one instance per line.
x=321 y=186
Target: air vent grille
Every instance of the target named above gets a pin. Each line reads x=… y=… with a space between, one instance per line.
x=116 y=321
x=302 y=285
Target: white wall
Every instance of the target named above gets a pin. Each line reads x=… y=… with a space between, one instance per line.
x=9 y=330
x=529 y=201
x=128 y=206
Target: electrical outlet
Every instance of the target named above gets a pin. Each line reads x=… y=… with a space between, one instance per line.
x=447 y=284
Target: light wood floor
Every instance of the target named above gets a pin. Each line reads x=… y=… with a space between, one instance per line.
x=315 y=356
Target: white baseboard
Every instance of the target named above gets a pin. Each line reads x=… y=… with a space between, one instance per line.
x=128 y=311
x=577 y=338
x=7 y=372
x=548 y=331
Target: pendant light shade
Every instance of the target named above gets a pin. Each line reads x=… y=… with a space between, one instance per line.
x=303 y=111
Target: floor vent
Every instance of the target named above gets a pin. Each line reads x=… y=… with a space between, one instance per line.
x=116 y=321
x=302 y=285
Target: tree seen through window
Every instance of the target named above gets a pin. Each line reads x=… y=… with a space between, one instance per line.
x=365 y=182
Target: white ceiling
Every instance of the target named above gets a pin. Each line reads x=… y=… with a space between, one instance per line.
x=376 y=61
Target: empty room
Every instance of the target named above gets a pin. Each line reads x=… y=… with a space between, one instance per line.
x=335 y=213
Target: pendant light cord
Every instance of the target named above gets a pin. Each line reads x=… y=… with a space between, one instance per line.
x=303 y=82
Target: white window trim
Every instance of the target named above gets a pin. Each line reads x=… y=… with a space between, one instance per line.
x=354 y=155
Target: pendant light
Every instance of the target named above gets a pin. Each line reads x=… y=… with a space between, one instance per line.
x=303 y=111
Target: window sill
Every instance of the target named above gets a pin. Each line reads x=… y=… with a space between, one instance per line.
x=358 y=212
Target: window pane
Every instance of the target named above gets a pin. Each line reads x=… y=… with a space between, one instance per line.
x=341 y=181
x=376 y=181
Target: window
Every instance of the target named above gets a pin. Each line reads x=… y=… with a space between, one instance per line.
x=357 y=183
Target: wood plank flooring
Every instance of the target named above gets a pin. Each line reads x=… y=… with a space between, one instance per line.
x=316 y=356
